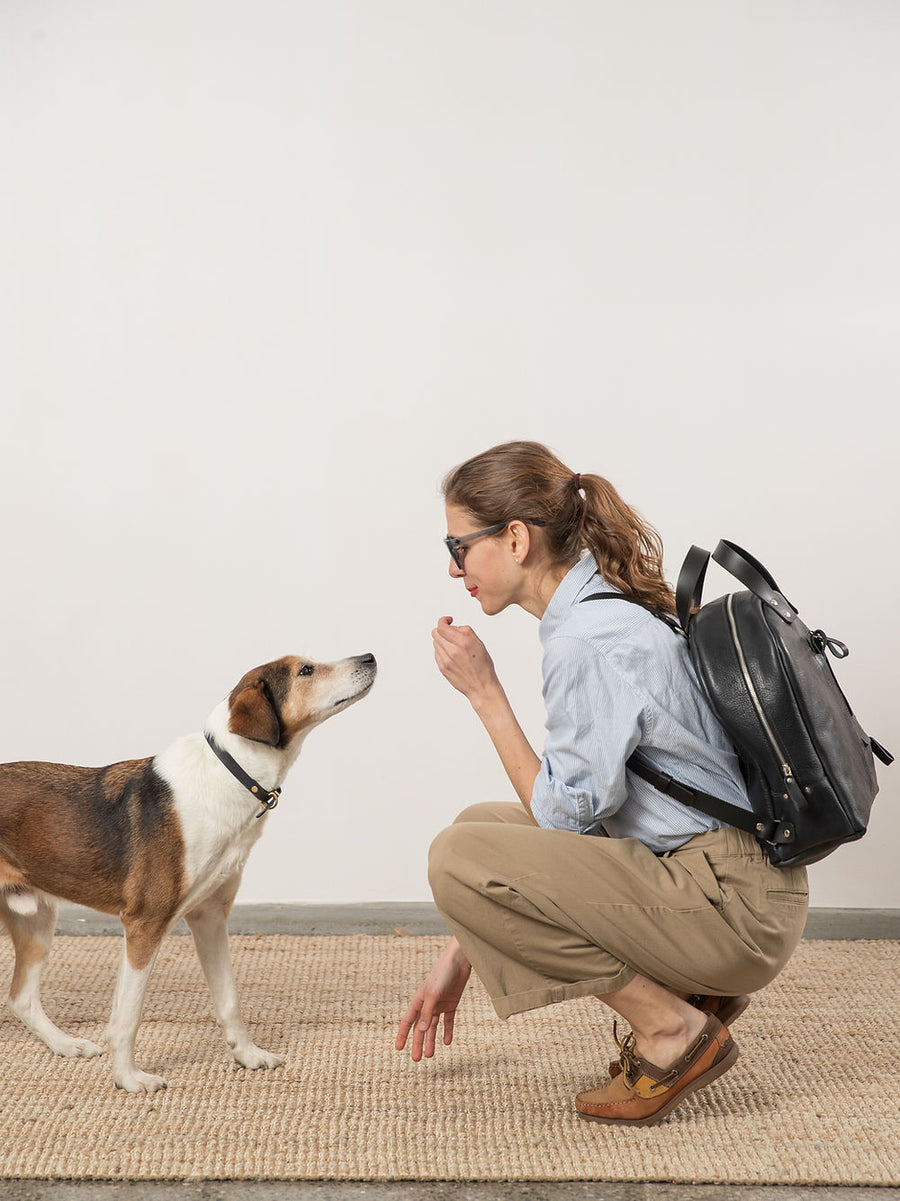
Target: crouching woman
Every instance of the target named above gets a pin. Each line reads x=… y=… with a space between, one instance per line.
x=594 y=883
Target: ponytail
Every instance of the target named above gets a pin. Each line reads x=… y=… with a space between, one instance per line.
x=627 y=549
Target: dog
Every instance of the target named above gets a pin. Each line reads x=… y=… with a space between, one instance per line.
x=157 y=839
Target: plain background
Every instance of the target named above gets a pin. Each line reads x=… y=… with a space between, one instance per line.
x=271 y=267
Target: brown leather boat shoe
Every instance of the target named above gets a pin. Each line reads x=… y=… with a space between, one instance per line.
x=726 y=1009
x=644 y=1093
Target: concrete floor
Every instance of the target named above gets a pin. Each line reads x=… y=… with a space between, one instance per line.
x=416 y=918
x=56 y=1190
x=421 y=917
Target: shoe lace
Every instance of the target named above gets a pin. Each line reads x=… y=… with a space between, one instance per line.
x=631 y=1063
x=628 y=1057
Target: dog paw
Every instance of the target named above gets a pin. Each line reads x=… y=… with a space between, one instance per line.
x=140 y=1082
x=78 y=1048
x=254 y=1057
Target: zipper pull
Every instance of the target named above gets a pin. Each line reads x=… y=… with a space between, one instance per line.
x=794 y=791
x=820 y=641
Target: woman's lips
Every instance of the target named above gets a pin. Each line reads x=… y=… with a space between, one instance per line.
x=473 y=591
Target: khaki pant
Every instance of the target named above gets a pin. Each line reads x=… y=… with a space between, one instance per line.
x=545 y=915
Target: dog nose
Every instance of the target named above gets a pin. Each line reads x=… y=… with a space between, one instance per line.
x=367 y=659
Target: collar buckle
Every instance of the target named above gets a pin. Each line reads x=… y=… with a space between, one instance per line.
x=268 y=803
x=268 y=799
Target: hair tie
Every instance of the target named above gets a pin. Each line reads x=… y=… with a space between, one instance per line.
x=577 y=480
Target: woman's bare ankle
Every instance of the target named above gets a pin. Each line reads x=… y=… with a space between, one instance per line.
x=666 y=1040
x=664 y=1024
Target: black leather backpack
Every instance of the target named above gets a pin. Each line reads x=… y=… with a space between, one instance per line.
x=808 y=764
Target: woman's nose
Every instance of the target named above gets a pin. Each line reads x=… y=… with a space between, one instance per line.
x=455 y=572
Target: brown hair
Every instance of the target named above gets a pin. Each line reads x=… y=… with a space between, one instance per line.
x=526 y=481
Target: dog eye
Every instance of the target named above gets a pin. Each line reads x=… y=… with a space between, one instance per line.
x=306 y=670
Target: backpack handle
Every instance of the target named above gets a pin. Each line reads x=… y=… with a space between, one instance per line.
x=739 y=563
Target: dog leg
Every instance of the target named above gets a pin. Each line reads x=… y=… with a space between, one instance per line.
x=138 y=956
x=31 y=933
x=209 y=925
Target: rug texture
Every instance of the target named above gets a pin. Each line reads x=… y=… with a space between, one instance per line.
x=812 y=1100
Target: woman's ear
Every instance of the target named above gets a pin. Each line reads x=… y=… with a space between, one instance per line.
x=519 y=540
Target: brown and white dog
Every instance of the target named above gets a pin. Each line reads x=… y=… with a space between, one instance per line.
x=157 y=839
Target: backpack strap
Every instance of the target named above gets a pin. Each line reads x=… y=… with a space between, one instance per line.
x=742 y=565
x=689 y=588
x=739 y=563
x=694 y=798
x=881 y=752
x=632 y=600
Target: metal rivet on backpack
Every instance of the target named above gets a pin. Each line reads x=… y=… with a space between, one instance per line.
x=760 y=826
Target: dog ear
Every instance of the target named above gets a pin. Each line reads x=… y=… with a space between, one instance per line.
x=253 y=716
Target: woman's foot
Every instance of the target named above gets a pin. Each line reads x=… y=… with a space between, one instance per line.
x=644 y=1093
x=726 y=1009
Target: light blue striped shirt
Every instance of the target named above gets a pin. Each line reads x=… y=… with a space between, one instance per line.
x=615 y=678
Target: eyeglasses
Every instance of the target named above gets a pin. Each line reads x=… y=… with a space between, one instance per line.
x=457 y=546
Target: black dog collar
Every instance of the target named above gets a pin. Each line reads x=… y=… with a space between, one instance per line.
x=267 y=799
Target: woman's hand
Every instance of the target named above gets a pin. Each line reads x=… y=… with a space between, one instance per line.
x=463 y=660
x=439 y=994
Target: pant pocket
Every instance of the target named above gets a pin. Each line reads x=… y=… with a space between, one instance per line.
x=788 y=886
x=702 y=872
x=787 y=896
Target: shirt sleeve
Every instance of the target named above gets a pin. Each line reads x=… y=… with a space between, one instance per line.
x=594 y=722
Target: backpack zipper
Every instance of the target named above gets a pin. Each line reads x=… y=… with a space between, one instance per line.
x=790 y=781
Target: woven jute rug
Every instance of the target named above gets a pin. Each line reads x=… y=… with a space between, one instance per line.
x=813 y=1099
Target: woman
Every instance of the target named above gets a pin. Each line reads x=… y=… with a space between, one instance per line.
x=596 y=883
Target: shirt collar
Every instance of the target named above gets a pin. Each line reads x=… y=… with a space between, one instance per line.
x=575 y=582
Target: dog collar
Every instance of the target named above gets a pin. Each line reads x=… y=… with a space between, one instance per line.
x=267 y=799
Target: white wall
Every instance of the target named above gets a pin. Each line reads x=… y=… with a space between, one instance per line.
x=271 y=267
